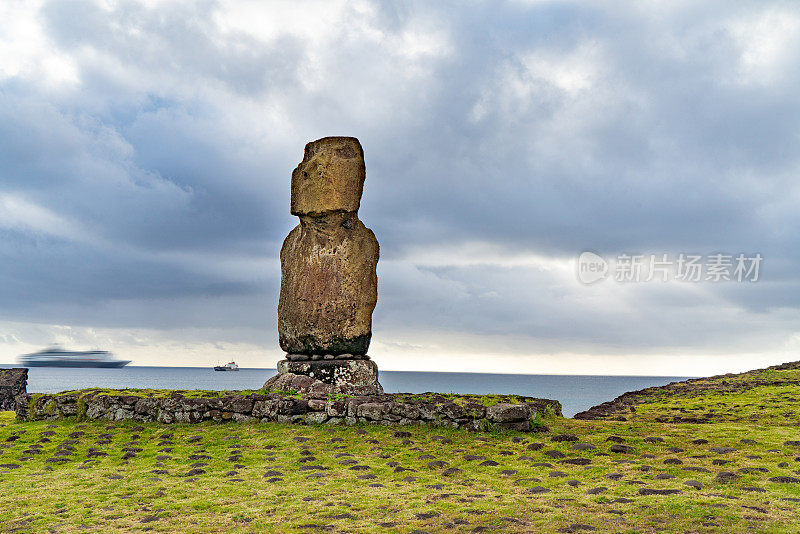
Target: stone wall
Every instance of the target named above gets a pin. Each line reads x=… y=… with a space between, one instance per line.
x=388 y=409
x=13 y=382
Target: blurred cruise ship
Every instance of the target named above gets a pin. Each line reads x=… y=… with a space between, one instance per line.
x=57 y=357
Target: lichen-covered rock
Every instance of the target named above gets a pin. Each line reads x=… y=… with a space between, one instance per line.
x=289 y=382
x=357 y=377
x=336 y=408
x=265 y=408
x=144 y=406
x=316 y=417
x=240 y=405
x=508 y=413
x=406 y=411
x=68 y=408
x=328 y=262
x=351 y=372
x=374 y=411
x=451 y=410
x=475 y=411
x=13 y=382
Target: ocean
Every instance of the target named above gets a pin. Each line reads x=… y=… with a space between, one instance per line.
x=575 y=392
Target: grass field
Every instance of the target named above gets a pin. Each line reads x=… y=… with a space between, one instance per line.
x=736 y=474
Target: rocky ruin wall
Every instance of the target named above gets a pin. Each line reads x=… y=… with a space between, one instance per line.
x=285 y=408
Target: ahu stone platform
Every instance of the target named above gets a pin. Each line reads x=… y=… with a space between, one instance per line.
x=523 y=414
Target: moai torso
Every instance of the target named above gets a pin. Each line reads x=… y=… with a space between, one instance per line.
x=329 y=285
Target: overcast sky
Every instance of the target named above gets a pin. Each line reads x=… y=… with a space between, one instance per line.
x=146 y=150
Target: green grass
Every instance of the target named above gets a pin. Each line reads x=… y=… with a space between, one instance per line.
x=162 y=393
x=256 y=479
x=765 y=397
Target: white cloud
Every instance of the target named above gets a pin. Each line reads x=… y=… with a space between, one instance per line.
x=26 y=52
x=573 y=72
x=768 y=41
x=18 y=214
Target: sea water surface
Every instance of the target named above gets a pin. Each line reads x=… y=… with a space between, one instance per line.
x=575 y=392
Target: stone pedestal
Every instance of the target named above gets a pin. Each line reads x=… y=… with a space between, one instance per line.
x=323 y=377
x=350 y=372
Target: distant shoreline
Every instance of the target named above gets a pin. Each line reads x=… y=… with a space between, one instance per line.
x=210 y=367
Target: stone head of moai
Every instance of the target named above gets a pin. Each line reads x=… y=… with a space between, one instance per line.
x=330 y=178
x=328 y=262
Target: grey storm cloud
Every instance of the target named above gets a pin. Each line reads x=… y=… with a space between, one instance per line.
x=547 y=128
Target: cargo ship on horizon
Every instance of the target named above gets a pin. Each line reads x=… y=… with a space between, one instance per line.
x=57 y=357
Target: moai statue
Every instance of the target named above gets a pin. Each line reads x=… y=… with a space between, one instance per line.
x=329 y=286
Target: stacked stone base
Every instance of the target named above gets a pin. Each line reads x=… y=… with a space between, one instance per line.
x=317 y=357
x=321 y=377
x=388 y=409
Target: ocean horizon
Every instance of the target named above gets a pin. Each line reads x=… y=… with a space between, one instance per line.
x=575 y=392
